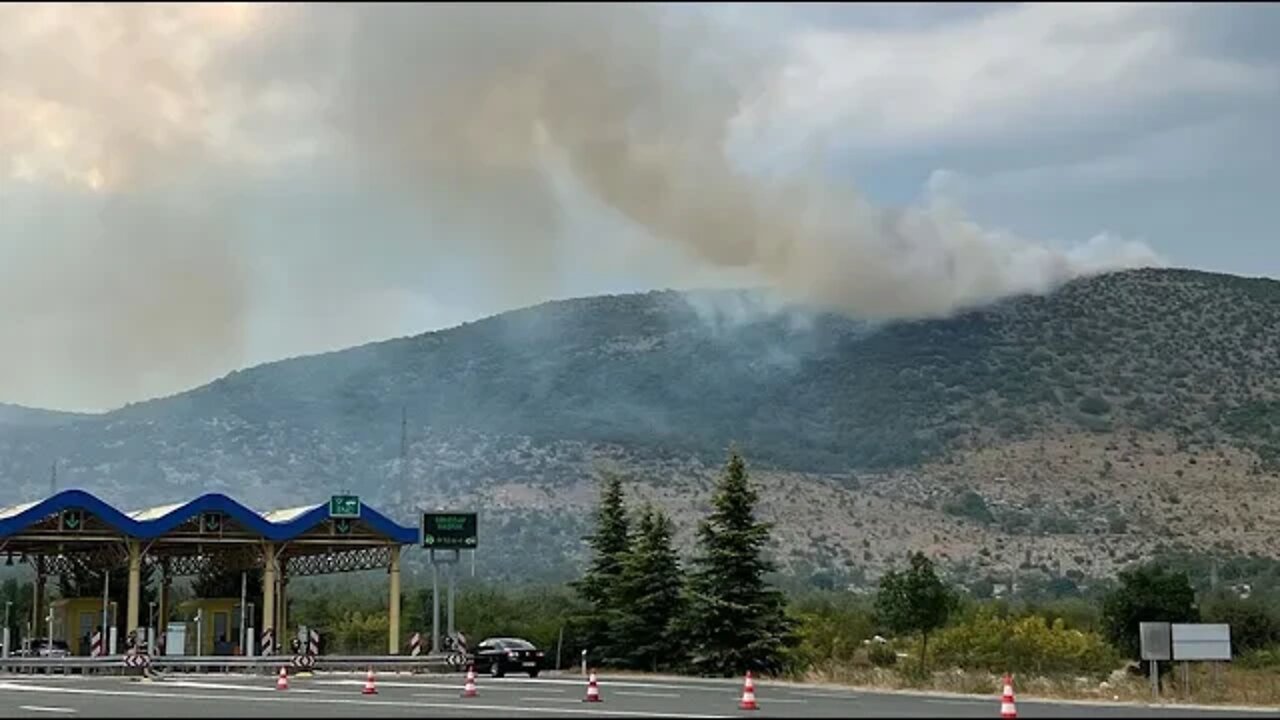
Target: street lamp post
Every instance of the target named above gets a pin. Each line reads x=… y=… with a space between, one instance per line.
x=151 y=627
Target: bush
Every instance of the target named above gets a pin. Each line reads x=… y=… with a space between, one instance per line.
x=1094 y=405
x=831 y=628
x=1031 y=644
x=882 y=655
x=1254 y=626
x=969 y=504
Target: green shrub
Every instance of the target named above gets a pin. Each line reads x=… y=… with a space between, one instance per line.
x=882 y=655
x=969 y=504
x=998 y=644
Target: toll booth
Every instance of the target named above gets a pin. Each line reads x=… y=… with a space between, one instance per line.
x=75 y=619
x=218 y=629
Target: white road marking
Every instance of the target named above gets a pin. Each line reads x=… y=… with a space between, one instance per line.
x=41 y=708
x=482 y=687
x=353 y=701
x=646 y=694
x=544 y=698
x=438 y=696
x=495 y=683
x=771 y=700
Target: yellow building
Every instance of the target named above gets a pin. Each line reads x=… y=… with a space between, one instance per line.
x=220 y=626
x=75 y=619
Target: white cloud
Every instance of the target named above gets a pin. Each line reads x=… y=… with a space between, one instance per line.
x=1021 y=70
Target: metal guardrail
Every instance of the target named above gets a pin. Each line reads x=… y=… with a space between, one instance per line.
x=220 y=663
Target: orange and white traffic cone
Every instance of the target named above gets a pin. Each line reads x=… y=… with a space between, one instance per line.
x=282 y=680
x=593 y=690
x=369 y=688
x=1007 y=708
x=748 y=701
x=469 y=687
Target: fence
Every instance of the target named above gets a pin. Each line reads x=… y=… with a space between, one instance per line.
x=118 y=664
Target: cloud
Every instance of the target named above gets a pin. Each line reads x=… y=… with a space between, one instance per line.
x=1016 y=71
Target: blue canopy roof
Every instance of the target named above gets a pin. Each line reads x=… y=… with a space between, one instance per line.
x=17 y=519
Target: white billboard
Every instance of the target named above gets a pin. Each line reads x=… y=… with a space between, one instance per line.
x=1201 y=641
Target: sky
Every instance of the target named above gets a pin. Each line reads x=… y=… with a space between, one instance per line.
x=190 y=189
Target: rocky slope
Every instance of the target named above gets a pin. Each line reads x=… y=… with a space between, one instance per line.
x=1069 y=433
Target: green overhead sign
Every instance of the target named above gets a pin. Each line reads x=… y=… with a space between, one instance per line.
x=449 y=531
x=344 y=506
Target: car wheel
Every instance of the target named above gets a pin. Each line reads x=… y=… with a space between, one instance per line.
x=495 y=670
x=533 y=673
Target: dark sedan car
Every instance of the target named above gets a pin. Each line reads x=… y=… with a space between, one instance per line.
x=499 y=656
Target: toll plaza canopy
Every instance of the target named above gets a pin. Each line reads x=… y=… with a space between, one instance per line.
x=76 y=530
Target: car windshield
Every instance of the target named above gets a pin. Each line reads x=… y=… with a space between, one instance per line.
x=511 y=644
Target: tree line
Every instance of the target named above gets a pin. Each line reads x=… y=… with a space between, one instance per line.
x=719 y=616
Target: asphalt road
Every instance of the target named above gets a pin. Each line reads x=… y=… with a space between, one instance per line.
x=339 y=695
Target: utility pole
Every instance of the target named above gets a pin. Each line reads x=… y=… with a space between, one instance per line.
x=404 y=454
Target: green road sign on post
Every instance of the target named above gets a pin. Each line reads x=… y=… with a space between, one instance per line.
x=449 y=531
x=344 y=506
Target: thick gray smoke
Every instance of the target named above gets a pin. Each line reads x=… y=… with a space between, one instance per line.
x=486 y=132
x=476 y=104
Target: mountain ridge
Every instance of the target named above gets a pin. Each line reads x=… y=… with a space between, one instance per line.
x=887 y=425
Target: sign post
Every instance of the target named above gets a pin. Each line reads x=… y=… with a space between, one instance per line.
x=450 y=532
x=1156 y=642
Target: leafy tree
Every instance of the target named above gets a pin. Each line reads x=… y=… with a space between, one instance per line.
x=1254 y=625
x=736 y=621
x=649 y=597
x=215 y=583
x=82 y=580
x=20 y=594
x=609 y=544
x=915 y=601
x=1146 y=594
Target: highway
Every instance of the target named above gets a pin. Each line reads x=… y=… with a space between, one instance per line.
x=339 y=695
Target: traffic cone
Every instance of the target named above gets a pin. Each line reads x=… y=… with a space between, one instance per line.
x=748 y=701
x=593 y=690
x=1007 y=708
x=469 y=687
x=282 y=682
x=369 y=688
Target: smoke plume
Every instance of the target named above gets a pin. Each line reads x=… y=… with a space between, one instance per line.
x=485 y=151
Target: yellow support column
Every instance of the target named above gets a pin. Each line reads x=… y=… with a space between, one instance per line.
x=393 y=631
x=268 y=588
x=135 y=587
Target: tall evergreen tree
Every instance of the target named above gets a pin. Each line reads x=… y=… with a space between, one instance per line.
x=736 y=621
x=648 y=599
x=609 y=544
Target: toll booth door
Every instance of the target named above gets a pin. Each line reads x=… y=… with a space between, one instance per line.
x=221 y=632
x=84 y=635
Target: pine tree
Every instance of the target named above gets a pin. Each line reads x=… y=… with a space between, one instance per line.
x=649 y=598
x=736 y=620
x=609 y=544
